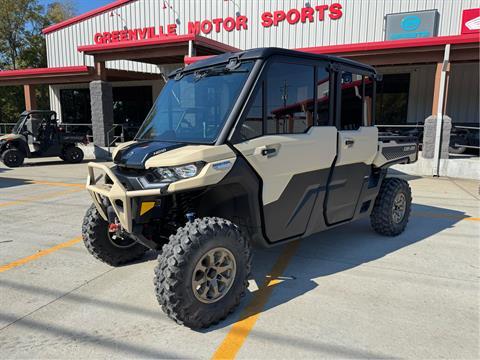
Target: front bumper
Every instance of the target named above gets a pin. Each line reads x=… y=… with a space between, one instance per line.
x=121 y=199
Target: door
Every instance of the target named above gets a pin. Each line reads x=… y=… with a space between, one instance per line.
x=356 y=146
x=281 y=138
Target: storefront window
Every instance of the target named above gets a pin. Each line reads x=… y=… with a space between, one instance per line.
x=392 y=99
x=76 y=106
x=130 y=108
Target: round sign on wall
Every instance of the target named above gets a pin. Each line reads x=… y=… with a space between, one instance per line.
x=410 y=23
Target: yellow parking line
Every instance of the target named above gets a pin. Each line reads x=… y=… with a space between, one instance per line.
x=30 y=199
x=54 y=183
x=39 y=254
x=239 y=332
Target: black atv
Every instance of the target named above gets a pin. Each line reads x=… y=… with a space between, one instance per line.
x=37 y=134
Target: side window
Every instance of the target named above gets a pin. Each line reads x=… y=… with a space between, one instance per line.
x=323 y=96
x=352 y=98
x=252 y=125
x=289 y=98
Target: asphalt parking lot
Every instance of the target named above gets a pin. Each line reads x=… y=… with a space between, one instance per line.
x=346 y=293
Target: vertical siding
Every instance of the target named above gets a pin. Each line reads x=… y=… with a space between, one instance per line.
x=54 y=96
x=463 y=93
x=362 y=21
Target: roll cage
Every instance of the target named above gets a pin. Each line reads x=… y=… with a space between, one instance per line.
x=265 y=56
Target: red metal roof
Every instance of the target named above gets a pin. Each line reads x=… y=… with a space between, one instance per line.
x=393 y=44
x=164 y=40
x=85 y=16
x=378 y=45
x=193 y=59
x=68 y=70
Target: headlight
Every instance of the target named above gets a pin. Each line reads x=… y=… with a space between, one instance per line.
x=186 y=171
x=162 y=177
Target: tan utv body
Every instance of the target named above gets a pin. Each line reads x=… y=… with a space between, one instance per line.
x=36 y=135
x=246 y=149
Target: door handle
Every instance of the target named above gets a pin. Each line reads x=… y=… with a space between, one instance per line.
x=269 y=151
x=349 y=142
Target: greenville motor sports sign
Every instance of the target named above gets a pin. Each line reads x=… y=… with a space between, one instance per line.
x=307 y=14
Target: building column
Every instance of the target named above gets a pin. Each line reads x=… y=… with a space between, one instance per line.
x=436 y=135
x=30 y=98
x=101 y=101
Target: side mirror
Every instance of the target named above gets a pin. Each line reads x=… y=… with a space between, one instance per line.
x=347 y=77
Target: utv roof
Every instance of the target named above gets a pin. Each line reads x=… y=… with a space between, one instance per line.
x=264 y=53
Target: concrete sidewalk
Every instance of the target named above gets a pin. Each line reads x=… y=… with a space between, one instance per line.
x=346 y=293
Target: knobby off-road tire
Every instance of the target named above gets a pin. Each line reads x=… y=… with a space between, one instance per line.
x=73 y=155
x=179 y=263
x=99 y=243
x=387 y=217
x=13 y=158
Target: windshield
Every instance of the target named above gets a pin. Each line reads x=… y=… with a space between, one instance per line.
x=195 y=107
x=16 y=129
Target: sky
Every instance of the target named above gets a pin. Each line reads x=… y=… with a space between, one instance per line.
x=83 y=6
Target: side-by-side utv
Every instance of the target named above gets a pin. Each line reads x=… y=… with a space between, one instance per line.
x=255 y=148
x=37 y=134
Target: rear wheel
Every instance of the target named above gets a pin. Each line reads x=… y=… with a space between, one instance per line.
x=391 y=210
x=103 y=245
x=72 y=154
x=13 y=158
x=202 y=272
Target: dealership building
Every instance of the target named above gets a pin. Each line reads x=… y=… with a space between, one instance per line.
x=106 y=67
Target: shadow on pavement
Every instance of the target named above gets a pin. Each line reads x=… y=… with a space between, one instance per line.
x=106 y=341
x=12 y=182
x=402 y=175
x=334 y=251
x=75 y=297
x=337 y=250
x=52 y=162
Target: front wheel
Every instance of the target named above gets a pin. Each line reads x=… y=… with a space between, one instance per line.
x=13 y=158
x=203 y=272
x=107 y=247
x=391 y=210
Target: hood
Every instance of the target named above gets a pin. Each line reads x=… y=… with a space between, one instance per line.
x=136 y=154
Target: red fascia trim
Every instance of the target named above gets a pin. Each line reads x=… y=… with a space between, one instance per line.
x=393 y=44
x=167 y=39
x=201 y=40
x=193 y=59
x=85 y=16
x=73 y=70
x=377 y=45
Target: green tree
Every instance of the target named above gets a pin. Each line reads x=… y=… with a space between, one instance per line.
x=22 y=45
x=16 y=17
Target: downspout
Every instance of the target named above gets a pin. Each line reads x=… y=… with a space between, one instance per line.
x=440 y=109
x=191 y=50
